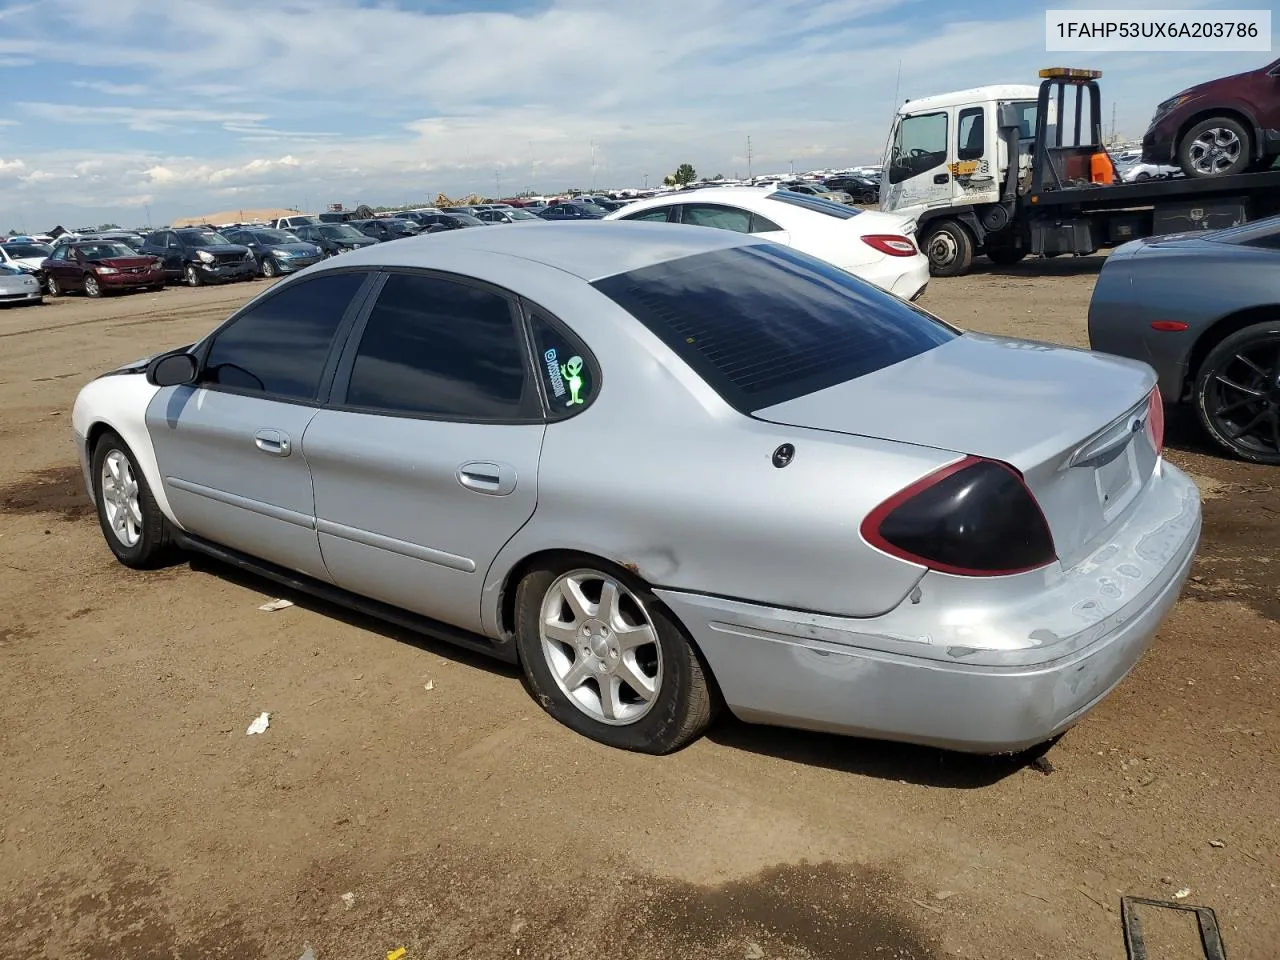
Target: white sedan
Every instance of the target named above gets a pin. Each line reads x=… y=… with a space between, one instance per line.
x=874 y=246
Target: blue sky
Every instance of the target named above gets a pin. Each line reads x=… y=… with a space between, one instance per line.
x=186 y=106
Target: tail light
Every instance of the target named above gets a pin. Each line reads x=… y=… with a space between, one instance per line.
x=1155 y=420
x=974 y=518
x=891 y=243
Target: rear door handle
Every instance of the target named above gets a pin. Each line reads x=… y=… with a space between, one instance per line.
x=486 y=476
x=941 y=178
x=273 y=442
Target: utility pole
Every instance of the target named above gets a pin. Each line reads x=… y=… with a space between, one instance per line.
x=793 y=167
x=593 y=166
x=749 y=177
x=497 y=184
x=1113 y=121
x=646 y=181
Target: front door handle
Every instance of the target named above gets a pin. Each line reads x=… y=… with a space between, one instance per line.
x=273 y=442
x=941 y=178
x=485 y=476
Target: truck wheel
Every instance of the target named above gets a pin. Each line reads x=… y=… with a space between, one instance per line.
x=1217 y=147
x=950 y=249
x=1237 y=393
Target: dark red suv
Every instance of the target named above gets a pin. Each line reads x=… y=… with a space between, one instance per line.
x=1225 y=126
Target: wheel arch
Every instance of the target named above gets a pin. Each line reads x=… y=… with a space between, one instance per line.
x=1218 y=331
x=1235 y=113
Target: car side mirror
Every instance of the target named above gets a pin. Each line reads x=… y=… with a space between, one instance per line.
x=173 y=370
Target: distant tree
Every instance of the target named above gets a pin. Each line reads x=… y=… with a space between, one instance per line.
x=108 y=226
x=685 y=174
x=718 y=176
x=668 y=181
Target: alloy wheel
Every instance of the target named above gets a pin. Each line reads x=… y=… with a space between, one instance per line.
x=91 y=286
x=601 y=647
x=120 y=498
x=1243 y=398
x=1214 y=151
x=268 y=267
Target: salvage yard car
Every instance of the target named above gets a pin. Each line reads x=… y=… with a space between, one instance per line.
x=199 y=255
x=18 y=286
x=663 y=467
x=98 y=267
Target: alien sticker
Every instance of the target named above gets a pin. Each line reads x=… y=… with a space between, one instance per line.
x=572 y=372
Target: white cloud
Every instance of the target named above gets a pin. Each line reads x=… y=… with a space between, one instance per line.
x=113 y=89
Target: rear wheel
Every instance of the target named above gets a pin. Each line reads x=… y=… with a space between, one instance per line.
x=1237 y=393
x=949 y=248
x=134 y=527
x=1217 y=147
x=603 y=657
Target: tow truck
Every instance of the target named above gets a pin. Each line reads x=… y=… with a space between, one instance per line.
x=1014 y=169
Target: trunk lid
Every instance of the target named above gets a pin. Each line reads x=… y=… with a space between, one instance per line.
x=1072 y=422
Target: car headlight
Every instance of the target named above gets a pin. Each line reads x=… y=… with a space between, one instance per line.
x=248 y=255
x=105 y=270
x=1173 y=104
x=204 y=256
x=283 y=254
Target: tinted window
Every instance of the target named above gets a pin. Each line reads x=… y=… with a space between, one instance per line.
x=722 y=218
x=60 y=253
x=565 y=368
x=763 y=323
x=969 y=134
x=656 y=215
x=440 y=348
x=761 y=224
x=202 y=238
x=920 y=144
x=21 y=251
x=818 y=205
x=280 y=346
x=1260 y=233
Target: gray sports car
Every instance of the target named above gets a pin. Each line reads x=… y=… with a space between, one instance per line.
x=664 y=468
x=1204 y=310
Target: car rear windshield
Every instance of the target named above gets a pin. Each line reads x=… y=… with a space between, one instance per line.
x=763 y=323
x=830 y=207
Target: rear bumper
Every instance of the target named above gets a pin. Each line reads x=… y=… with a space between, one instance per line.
x=902 y=276
x=996 y=674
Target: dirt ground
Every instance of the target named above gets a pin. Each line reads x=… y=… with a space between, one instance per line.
x=138 y=821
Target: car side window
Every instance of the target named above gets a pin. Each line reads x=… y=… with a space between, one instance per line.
x=60 y=253
x=656 y=215
x=969 y=134
x=439 y=348
x=565 y=367
x=714 y=215
x=281 y=345
x=762 y=224
x=173 y=241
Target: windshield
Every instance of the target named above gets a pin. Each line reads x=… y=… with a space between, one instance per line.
x=203 y=238
x=23 y=251
x=763 y=323
x=101 y=251
x=1263 y=233
x=340 y=231
x=521 y=215
x=276 y=236
x=816 y=204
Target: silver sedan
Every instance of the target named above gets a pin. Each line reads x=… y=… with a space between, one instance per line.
x=667 y=469
x=18 y=285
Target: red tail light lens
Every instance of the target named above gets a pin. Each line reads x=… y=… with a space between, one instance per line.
x=1155 y=420
x=891 y=243
x=974 y=518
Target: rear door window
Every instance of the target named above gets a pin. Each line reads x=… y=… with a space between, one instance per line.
x=656 y=215
x=763 y=323
x=717 y=216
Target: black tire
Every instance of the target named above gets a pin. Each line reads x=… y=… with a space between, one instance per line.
x=155 y=543
x=192 y=276
x=1141 y=176
x=949 y=248
x=1239 y=147
x=269 y=268
x=683 y=706
x=1006 y=256
x=1237 y=420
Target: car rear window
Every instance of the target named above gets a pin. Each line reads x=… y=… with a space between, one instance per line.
x=831 y=208
x=763 y=323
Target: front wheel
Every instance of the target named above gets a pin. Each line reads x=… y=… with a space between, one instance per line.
x=269 y=268
x=193 y=276
x=1217 y=147
x=92 y=287
x=131 y=522
x=950 y=249
x=52 y=286
x=602 y=656
x=1237 y=393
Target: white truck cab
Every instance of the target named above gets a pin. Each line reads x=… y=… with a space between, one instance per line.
x=946 y=158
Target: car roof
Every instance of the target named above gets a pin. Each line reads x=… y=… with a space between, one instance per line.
x=588 y=250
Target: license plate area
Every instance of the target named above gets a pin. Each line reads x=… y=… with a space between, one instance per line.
x=1115 y=476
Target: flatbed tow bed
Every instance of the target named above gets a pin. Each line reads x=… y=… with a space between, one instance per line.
x=1011 y=170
